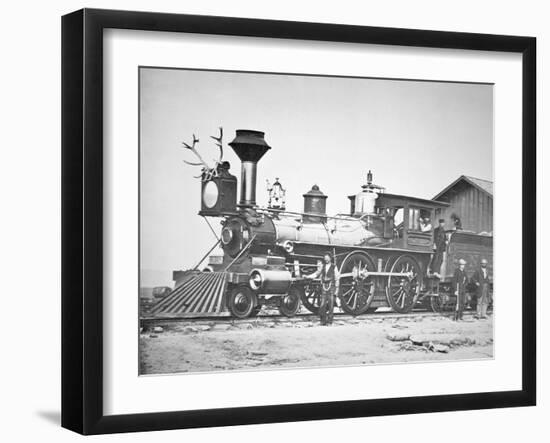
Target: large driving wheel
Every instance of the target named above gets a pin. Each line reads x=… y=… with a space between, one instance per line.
x=241 y=301
x=289 y=304
x=311 y=297
x=402 y=291
x=356 y=287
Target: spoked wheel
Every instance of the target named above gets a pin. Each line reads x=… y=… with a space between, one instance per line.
x=311 y=297
x=402 y=291
x=356 y=287
x=241 y=301
x=289 y=304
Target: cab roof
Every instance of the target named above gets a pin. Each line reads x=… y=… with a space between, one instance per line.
x=398 y=201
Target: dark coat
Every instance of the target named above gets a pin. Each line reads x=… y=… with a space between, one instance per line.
x=460 y=278
x=440 y=238
x=478 y=277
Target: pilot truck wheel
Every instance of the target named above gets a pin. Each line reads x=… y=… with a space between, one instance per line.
x=241 y=301
x=289 y=304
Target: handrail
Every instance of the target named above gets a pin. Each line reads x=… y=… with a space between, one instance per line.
x=207 y=254
x=240 y=253
x=313 y=214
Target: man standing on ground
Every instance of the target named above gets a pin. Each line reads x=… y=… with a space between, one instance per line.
x=328 y=274
x=482 y=281
x=460 y=279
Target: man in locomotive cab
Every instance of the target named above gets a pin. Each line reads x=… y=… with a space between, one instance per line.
x=460 y=280
x=439 y=247
x=329 y=276
x=425 y=224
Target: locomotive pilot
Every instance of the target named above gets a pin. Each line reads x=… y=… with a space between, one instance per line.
x=329 y=276
x=482 y=281
x=460 y=280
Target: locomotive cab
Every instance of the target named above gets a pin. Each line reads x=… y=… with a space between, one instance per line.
x=402 y=220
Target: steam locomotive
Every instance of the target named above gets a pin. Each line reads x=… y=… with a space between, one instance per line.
x=379 y=248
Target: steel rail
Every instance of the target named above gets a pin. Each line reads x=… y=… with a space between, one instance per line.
x=279 y=318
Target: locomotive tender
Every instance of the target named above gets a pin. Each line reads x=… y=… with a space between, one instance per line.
x=379 y=248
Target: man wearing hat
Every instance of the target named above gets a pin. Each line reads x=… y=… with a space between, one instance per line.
x=460 y=279
x=482 y=281
x=425 y=224
x=328 y=274
x=440 y=244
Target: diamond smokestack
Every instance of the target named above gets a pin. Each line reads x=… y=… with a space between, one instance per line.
x=250 y=146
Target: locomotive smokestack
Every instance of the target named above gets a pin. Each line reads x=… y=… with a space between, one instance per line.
x=250 y=146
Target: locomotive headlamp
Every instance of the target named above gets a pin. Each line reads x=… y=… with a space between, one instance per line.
x=210 y=194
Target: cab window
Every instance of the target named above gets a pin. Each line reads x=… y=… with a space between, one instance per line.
x=414 y=219
x=398 y=222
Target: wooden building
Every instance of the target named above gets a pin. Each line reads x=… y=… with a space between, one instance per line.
x=471 y=200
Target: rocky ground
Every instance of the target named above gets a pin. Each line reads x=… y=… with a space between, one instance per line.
x=191 y=346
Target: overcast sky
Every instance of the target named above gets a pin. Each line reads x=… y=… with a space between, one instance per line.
x=417 y=137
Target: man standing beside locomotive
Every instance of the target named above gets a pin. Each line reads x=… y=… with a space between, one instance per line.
x=329 y=276
x=440 y=244
x=460 y=280
x=482 y=281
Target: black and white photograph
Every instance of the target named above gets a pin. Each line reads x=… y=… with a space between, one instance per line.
x=275 y=221
x=307 y=221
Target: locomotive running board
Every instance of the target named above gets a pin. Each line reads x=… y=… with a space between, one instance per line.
x=201 y=294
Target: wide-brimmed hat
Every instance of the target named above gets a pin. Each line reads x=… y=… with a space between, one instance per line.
x=461 y=261
x=483 y=261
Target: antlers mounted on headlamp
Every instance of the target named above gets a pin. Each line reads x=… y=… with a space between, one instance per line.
x=207 y=172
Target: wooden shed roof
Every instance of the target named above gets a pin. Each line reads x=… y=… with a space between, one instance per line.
x=396 y=200
x=485 y=186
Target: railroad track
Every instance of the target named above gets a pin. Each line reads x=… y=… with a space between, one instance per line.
x=224 y=319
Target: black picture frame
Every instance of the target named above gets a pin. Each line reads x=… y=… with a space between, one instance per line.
x=82 y=220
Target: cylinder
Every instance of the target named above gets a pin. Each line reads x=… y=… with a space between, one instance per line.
x=270 y=281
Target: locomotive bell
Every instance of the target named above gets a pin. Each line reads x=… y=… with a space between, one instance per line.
x=365 y=201
x=250 y=146
x=315 y=202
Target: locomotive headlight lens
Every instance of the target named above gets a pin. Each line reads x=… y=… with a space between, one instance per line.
x=210 y=194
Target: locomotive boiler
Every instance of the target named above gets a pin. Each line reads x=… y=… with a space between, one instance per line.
x=379 y=247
